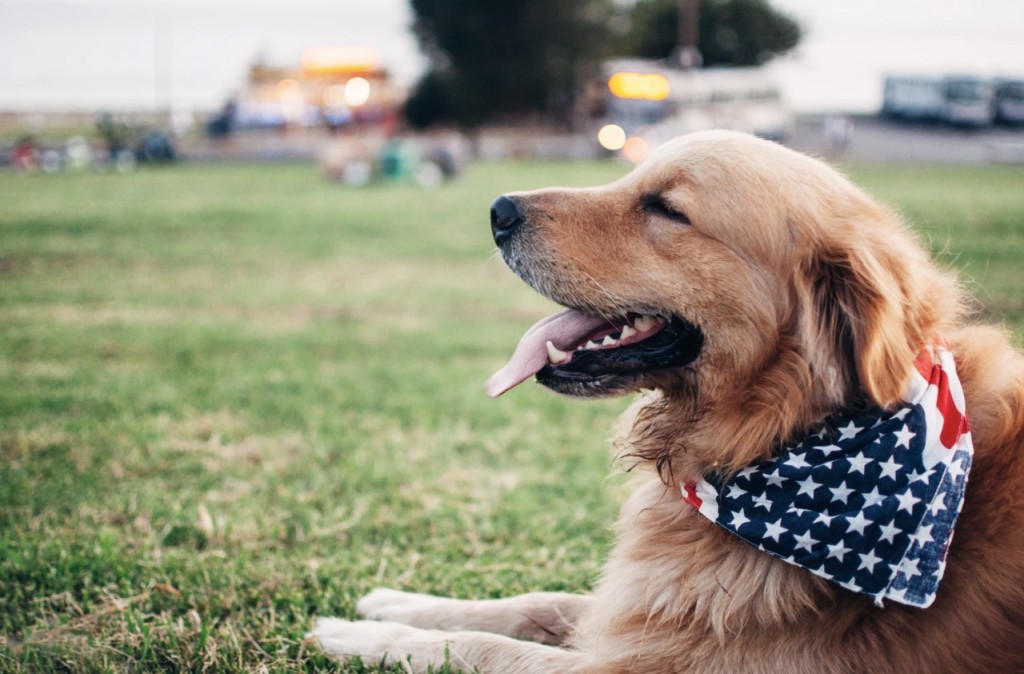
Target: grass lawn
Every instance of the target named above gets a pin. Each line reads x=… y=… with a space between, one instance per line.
x=236 y=397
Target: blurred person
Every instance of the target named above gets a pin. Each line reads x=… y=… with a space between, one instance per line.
x=25 y=156
x=838 y=133
x=114 y=134
x=78 y=153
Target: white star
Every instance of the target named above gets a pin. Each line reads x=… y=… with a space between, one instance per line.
x=762 y=501
x=907 y=501
x=804 y=541
x=841 y=493
x=858 y=522
x=889 y=468
x=828 y=449
x=849 y=432
x=797 y=461
x=774 y=478
x=746 y=472
x=956 y=469
x=897 y=595
x=838 y=551
x=873 y=498
x=824 y=519
x=807 y=486
x=851 y=586
x=888 y=532
x=868 y=561
x=904 y=437
x=924 y=534
x=739 y=519
x=736 y=491
x=939 y=504
x=859 y=462
x=773 y=530
x=917 y=476
x=909 y=568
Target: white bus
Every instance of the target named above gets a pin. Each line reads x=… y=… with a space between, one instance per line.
x=1010 y=101
x=956 y=100
x=647 y=103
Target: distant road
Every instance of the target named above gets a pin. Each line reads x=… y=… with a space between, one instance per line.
x=880 y=140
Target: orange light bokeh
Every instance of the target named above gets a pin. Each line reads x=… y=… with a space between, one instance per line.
x=643 y=86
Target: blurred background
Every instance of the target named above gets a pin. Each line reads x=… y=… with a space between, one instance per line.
x=249 y=296
x=234 y=79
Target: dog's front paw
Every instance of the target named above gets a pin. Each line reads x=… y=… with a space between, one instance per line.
x=404 y=607
x=374 y=642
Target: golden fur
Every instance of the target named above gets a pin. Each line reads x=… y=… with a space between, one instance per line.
x=811 y=297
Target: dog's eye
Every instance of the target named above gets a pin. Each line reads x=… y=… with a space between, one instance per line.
x=655 y=205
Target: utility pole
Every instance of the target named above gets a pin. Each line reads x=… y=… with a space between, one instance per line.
x=688 y=35
x=163 y=65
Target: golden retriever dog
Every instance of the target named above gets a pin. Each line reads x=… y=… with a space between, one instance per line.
x=763 y=305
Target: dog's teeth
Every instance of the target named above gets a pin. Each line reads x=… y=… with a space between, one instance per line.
x=591 y=345
x=555 y=355
x=644 y=323
x=608 y=341
x=627 y=331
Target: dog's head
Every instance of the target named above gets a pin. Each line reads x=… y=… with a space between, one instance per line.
x=755 y=288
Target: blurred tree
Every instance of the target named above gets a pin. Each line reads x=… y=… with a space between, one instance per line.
x=732 y=32
x=505 y=59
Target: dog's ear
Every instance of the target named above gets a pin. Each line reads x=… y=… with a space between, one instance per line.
x=866 y=307
x=879 y=299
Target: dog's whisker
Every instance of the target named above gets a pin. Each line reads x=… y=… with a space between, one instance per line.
x=615 y=299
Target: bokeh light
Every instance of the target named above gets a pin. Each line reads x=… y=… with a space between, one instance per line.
x=357 y=91
x=611 y=137
x=636 y=149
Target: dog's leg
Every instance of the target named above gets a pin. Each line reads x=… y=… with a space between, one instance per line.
x=392 y=643
x=544 y=617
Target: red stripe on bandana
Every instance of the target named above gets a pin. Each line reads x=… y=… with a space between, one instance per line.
x=923 y=363
x=953 y=422
x=690 y=495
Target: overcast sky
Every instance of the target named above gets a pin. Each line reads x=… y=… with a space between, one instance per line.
x=130 y=53
x=850 y=45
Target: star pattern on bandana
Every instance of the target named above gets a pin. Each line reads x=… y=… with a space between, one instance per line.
x=869 y=501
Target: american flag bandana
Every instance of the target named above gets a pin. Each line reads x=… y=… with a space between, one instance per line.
x=870 y=501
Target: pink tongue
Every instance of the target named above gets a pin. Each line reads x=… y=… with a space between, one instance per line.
x=563 y=329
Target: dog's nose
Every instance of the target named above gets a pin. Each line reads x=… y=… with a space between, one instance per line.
x=505 y=218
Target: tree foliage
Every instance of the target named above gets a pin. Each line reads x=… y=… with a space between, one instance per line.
x=505 y=59
x=732 y=32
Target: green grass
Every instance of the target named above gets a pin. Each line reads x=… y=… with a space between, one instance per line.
x=973 y=218
x=233 y=398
